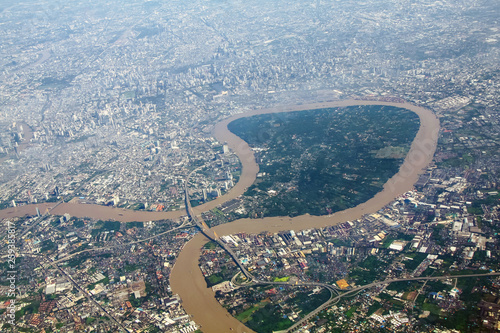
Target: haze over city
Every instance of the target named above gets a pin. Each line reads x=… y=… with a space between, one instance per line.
x=249 y=166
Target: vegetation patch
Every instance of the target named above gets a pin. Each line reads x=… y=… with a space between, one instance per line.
x=326 y=160
x=283 y=279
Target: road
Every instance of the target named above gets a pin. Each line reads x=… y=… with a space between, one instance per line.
x=333 y=289
x=90 y=298
x=66 y=258
x=39 y=219
x=405 y=178
x=210 y=234
x=298 y=324
x=83 y=291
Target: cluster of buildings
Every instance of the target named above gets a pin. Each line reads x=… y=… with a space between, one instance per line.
x=121 y=104
x=114 y=103
x=87 y=274
x=417 y=235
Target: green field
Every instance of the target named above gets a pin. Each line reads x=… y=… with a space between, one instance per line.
x=326 y=160
x=246 y=315
x=283 y=279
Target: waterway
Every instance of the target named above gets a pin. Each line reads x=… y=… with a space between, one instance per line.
x=90 y=210
x=186 y=278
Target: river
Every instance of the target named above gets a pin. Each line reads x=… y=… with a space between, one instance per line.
x=186 y=278
x=90 y=210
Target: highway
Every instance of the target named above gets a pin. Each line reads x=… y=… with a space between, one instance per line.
x=183 y=225
x=210 y=234
x=90 y=298
x=335 y=292
x=38 y=220
x=298 y=324
x=83 y=291
x=332 y=288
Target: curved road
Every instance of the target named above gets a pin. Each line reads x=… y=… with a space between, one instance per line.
x=197 y=298
x=297 y=325
x=198 y=221
x=186 y=278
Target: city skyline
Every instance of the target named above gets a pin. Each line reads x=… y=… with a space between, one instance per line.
x=115 y=158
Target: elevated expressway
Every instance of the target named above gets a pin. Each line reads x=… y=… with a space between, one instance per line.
x=210 y=234
x=335 y=292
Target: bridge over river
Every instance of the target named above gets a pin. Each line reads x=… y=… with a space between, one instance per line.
x=186 y=278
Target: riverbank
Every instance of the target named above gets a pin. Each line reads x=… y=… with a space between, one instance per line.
x=419 y=157
x=93 y=211
x=186 y=278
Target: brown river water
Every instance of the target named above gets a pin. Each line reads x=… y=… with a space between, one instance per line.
x=187 y=279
